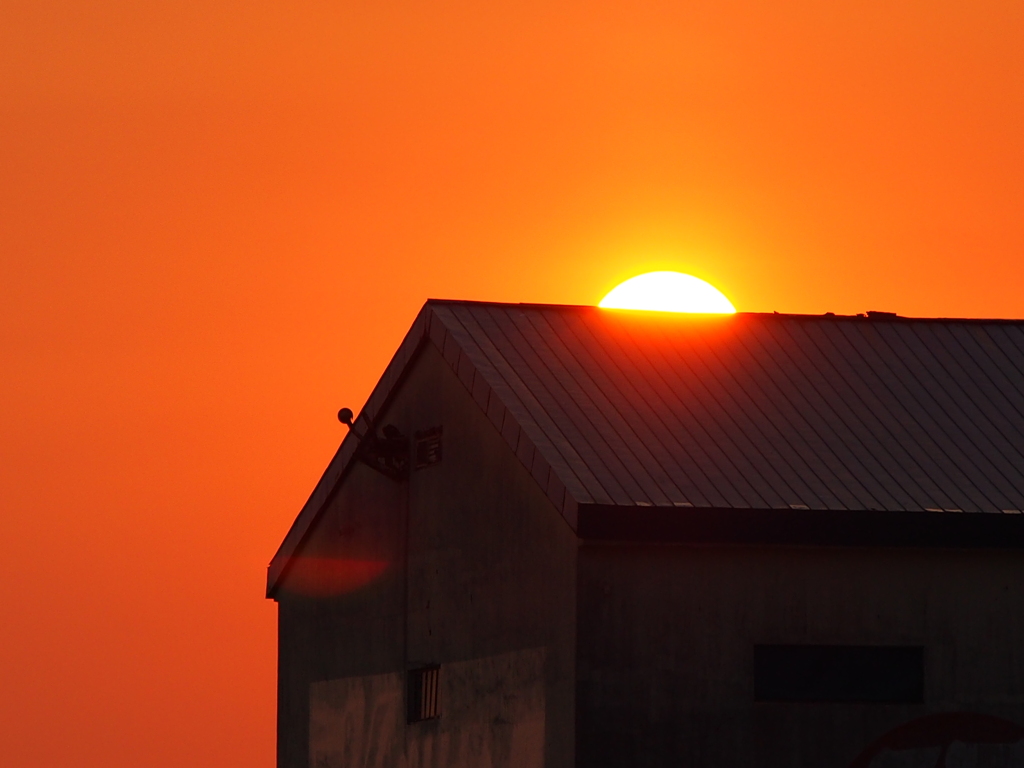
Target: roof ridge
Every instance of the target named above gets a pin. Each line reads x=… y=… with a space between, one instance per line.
x=869 y=315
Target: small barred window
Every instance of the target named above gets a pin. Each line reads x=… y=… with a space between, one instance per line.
x=424 y=701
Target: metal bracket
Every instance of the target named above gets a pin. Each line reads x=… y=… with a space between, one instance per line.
x=389 y=454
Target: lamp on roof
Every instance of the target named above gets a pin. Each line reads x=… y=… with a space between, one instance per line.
x=388 y=455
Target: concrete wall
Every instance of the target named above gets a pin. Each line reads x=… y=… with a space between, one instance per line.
x=467 y=566
x=666 y=637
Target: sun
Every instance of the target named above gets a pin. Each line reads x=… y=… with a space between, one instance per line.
x=668 y=292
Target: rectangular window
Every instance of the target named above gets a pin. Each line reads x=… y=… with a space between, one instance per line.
x=428 y=447
x=839 y=673
x=424 y=701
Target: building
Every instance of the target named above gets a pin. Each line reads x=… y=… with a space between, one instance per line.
x=562 y=536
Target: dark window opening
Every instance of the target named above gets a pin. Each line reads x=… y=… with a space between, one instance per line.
x=839 y=673
x=428 y=447
x=424 y=702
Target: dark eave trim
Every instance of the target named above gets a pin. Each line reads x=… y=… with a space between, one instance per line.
x=800 y=527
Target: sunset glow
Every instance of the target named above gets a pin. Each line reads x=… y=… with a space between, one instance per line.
x=668 y=292
x=219 y=220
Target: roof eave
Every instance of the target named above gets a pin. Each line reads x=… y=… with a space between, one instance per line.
x=800 y=527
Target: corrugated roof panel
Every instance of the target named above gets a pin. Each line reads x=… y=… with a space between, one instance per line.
x=914 y=453
x=622 y=415
x=914 y=410
x=1000 y=406
x=770 y=450
x=615 y=438
x=806 y=370
x=998 y=365
x=1003 y=406
x=950 y=405
x=1001 y=377
x=669 y=390
x=790 y=399
x=643 y=387
x=1005 y=344
x=765 y=411
x=915 y=475
x=690 y=443
x=575 y=471
x=605 y=465
x=732 y=480
x=794 y=449
x=643 y=436
x=964 y=403
x=717 y=384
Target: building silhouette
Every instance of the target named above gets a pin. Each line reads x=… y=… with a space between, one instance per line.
x=563 y=536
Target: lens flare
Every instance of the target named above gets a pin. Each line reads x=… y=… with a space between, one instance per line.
x=331 y=576
x=668 y=292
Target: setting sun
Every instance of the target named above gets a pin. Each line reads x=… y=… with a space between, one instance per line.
x=668 y=292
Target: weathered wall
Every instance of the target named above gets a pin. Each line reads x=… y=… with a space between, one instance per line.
x=493 y=715
x=480 y=578
x=342 y=607
x=666 y=637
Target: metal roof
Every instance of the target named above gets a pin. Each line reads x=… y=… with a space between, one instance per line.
x=616 y=409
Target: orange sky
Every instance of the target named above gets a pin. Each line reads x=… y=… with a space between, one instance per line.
x=217 y=219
